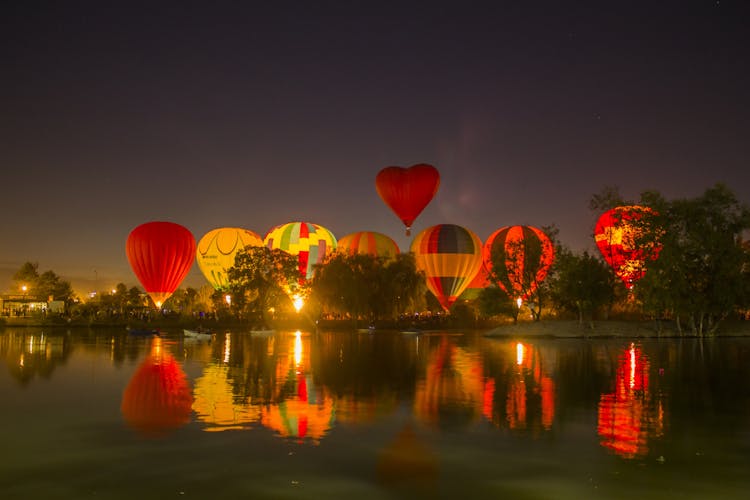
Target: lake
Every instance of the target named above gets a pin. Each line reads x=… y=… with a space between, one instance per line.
x=100 y=413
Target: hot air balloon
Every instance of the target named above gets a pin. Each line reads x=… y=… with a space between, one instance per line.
x=160 y=254
x=311 y=243
x=528 y=256
x=616 y=233
x=407 y=191
x=479 y=283
x=450 y=257
x=368 y=242
x=216 y=251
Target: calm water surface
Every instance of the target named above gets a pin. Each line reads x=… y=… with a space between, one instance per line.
x=98 y=413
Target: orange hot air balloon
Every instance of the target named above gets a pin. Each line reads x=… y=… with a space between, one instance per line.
x=160 y=254
x=615 y=233
x=158 y=397
x=450 y=257
x=368 y=242
x=407 y=191
x=528 y=256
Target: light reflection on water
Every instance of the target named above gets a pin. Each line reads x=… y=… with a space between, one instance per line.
x=372 y=414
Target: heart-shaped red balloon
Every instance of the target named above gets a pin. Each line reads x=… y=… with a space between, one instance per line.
x=407 y=191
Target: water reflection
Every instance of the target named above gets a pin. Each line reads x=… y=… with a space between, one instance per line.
x=633 y=413
x=407 y=463
x=158 y=398
x=214 y=402
x=453 y=388
x=299 y=409
x=520 y=393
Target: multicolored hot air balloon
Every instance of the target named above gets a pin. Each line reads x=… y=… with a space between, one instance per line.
x=311 y=243
x=368 y=242
x=528 y=256
x=616 y=234
x=160 y=254
x=216 y=251
x=407 y=191
x=450 y=257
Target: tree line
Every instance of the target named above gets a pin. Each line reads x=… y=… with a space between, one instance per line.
x=700 y=278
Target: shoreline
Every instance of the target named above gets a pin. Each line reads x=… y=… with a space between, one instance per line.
x=610 y=329
x=546 y=328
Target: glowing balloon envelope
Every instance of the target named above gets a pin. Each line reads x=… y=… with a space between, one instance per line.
x=369 y=243
x=160 y=254
x=311 y=244
x=524 y=269
x=407 y=191
x=217 y=249
x=450 y=257
x=615 y=234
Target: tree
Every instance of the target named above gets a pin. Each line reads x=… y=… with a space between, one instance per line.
x=493 y=301
x=700 y=275
x=368 y=287
x=403 y=287
x=45 y=285
x=583 y=284
x=262 y=278
x=27 y=276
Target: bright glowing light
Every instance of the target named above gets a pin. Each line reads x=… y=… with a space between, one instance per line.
x=228 y=299
x=227 y=347
x=24 y=288
x=297 y=348
x=632 y=365
x=156 y=348
x=298 y=302
x=519 y=301
x=519 y=353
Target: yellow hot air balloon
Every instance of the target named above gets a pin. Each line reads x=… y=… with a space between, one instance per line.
x=216 y=251
x=450 y=256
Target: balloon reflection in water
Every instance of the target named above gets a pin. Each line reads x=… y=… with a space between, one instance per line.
x=529 y=400
x=300 y=410
x=407 y=462
x=454 y=385
x=628 y=415
x=158 y=397
x=215 y=403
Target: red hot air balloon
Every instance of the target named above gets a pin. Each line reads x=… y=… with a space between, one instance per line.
x=407 y=191
x=160 y=254
x=528 y=256
x=615 y=233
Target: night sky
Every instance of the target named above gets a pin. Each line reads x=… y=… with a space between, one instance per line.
x=213 y=114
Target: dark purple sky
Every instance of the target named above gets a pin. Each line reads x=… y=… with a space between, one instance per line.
x=214 y=114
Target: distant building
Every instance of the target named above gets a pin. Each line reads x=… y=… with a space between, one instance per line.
x=20 y=305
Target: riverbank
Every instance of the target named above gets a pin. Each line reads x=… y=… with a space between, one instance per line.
x=548 y=328
x=608 y=329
